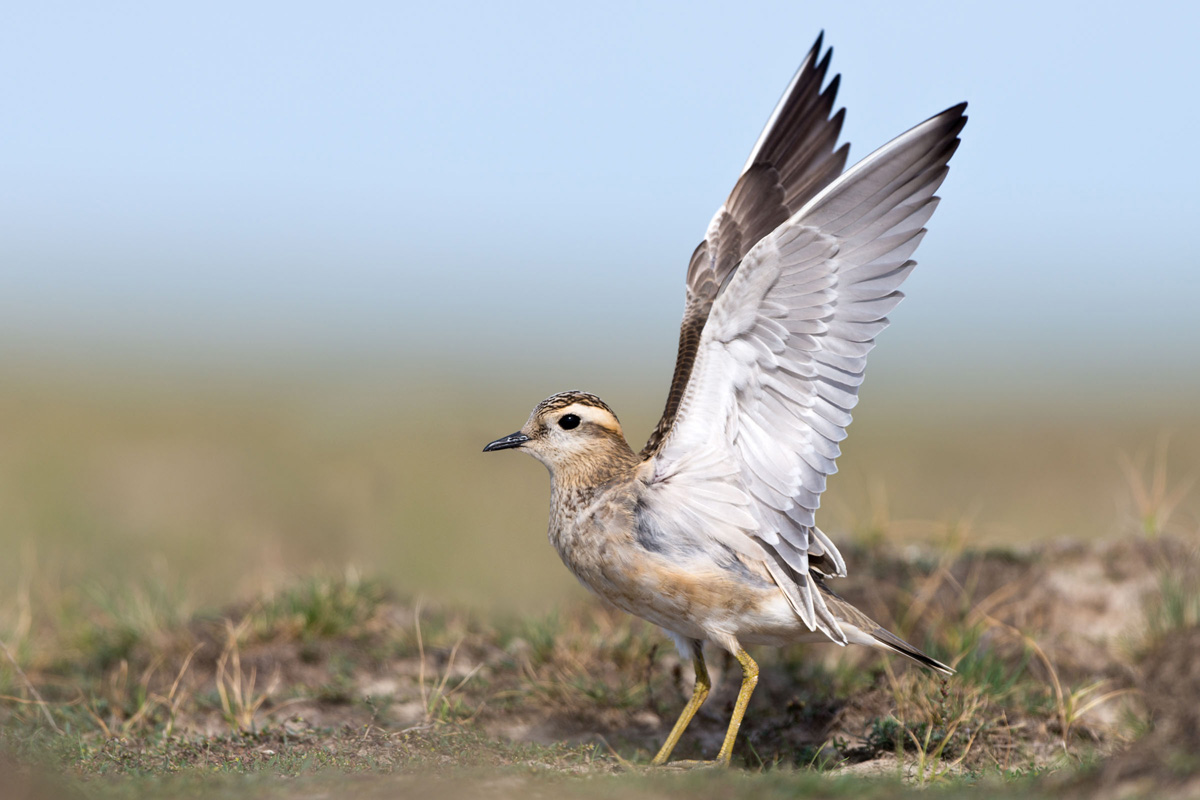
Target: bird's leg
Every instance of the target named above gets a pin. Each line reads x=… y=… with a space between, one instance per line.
x=699 y=693
x=749 y=681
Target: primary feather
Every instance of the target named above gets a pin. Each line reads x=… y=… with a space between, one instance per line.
x=793 y=159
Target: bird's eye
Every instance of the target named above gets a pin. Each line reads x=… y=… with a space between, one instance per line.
x=568 y=422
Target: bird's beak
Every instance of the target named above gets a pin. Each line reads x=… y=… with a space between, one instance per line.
x=512 y=440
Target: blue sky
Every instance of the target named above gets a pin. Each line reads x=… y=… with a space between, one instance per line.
x=523 y=183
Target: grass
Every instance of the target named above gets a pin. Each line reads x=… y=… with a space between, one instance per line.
x=1177 y=605
x=320 y=608
x=244 y=692
x=339 y=674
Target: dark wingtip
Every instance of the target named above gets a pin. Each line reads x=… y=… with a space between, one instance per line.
x=957 y=111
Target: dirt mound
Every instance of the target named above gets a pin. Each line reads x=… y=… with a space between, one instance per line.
x=1171 y=687
x=1166 y=761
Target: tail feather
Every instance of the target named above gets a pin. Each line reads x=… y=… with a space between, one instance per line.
x=861 y=629
x=891 y=641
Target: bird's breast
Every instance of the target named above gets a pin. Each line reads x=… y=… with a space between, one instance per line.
x=689 y=585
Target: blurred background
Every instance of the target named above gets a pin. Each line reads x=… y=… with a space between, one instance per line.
x=272 y=274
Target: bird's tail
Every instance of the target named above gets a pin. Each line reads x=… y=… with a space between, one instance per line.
x=890 y=641
x=861 y=629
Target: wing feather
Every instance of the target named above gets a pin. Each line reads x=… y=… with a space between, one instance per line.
x=795 y=157
x=779 y=360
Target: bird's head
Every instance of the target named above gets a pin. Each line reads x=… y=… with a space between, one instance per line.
x=575 y=434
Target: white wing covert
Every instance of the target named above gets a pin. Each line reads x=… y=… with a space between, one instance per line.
x=781 y=357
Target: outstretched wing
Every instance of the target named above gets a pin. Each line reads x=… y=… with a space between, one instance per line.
x=793 y=159
x=782 y=355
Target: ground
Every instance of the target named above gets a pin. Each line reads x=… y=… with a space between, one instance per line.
x=1076 y=673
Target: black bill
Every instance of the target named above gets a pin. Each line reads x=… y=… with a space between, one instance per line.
x=512 y=440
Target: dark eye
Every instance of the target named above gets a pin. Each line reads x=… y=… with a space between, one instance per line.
x=568 y=422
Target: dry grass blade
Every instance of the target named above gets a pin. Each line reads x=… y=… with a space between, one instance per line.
x=1068 y=706
x=914 y=706
x=235 y=689
x=174 y=697
x=421 y=655
x=924 y=595
x=41 y=704
x=1154 y=500
x=430 y=701
x=148 y=703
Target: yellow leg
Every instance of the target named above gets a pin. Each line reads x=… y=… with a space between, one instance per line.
x=749 y=681
x=699 y=693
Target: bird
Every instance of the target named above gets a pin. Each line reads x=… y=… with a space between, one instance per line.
x=709 y=531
